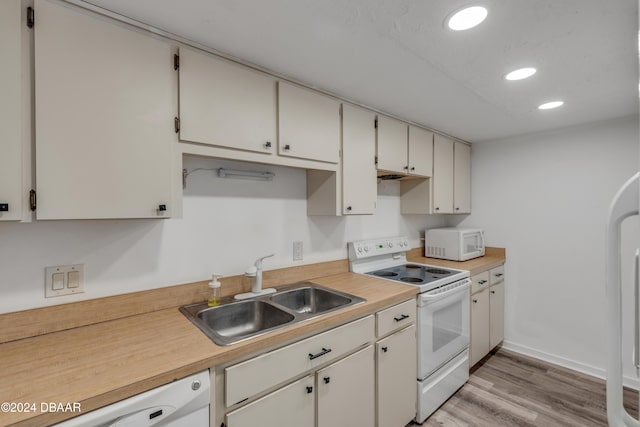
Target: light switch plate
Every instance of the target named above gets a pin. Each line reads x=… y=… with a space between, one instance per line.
x=71 y=277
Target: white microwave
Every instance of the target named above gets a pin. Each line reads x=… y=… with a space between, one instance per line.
x=456 y=244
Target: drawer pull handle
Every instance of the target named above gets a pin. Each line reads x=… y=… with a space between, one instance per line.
x=327 y=380
x=401 y=318
x=482 y=282
x=309 y=389
x=499 y=274
x=322 y=353
x=384 y=349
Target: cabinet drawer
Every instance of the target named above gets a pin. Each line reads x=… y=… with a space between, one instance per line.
x=253 y=376
x=395 y=317
x=496 y=275
x=479 y=282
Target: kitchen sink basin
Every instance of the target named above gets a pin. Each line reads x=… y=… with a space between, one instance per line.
x=235 y=321
x=241 y=319
x=310 y=300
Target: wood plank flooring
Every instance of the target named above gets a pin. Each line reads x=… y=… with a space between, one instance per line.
x=509 y=389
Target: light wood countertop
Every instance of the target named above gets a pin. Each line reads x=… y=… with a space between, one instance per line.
x=102 y=363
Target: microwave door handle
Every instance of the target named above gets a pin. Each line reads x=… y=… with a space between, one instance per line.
x=482 y=239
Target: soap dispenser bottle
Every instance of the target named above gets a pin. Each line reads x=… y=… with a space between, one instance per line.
x=214 y=291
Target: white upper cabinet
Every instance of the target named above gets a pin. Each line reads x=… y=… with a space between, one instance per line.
x=420 y=152
x=461 y=178
x=308 y=124
x=442 y=175
x=392 y=147
x=226 y=104
x=105 y=108
x=13 y=112
x=359 y=188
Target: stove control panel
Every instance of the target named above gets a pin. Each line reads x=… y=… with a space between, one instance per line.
x=375 y=247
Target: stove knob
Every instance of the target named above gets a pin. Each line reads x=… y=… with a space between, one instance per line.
x=366 y=248
x=360 y=249
x=390 y=244
x=406 y=243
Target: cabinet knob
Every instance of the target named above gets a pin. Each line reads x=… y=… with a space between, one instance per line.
x=406 y=167
x=457 y=209
x=413 y=168
x=162 y=208
x=309 y=389
x=287 y=147
x=4 y=207
x=267 y=144
x=349 y=208
x=437 y=208
x=475 y=301
x=493 y=292
x=385 y=349
x=327 y=380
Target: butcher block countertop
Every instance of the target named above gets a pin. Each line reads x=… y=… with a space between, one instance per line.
x=101 y=363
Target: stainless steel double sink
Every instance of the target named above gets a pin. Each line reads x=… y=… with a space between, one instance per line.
x=235 y=321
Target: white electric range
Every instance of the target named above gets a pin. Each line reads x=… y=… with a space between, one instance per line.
x=442 y=315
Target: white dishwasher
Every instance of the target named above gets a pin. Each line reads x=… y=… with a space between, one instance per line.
x=183 y=403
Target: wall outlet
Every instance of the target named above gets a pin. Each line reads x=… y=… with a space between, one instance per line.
x=297 y=251
x=63 y=280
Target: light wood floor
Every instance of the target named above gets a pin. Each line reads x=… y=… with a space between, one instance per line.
x=508 y=389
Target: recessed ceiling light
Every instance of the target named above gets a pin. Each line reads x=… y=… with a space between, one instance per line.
x=467 y=18
x=550 y=105
x=521 y=73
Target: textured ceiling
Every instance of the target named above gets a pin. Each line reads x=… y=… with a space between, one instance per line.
x=397 y=56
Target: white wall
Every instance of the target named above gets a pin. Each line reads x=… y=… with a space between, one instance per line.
x=226 y=224
x=545 y=198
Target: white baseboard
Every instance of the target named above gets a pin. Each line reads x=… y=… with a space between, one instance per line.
x=567 y=363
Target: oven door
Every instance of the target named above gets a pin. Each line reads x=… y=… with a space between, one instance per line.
x=443 y=326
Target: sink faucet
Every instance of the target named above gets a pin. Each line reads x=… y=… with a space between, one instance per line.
x=255 y=272
x=256 y=287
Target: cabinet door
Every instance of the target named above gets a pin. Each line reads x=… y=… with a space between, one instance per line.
x=359 y=188
x=462 y=178
x=225 y=104
x=392 y=145
x=290 y=406
x=396 y=373
x=346 y=391
x=105 y=105
x=308 y=124
x=442 y=175
x=479 y=326
x=11 y=110
x=496 y=323
x=420 y=151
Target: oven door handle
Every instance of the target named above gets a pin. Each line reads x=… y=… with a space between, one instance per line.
x=431 y=296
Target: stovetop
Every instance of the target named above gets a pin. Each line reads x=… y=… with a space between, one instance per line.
x=413 y=273
x=386 y=258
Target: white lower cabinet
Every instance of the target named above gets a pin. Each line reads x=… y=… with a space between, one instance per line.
x=396 y=373
x=346 y=376
x=487 y=313
x=346 y=391
x=290 y=406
